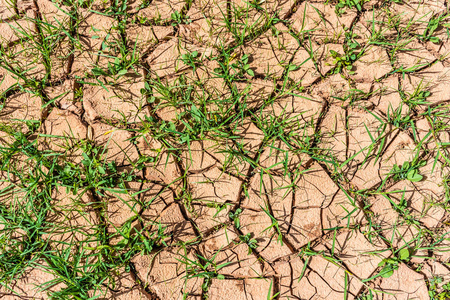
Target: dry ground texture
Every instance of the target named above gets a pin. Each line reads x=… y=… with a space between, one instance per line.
x=224 y=149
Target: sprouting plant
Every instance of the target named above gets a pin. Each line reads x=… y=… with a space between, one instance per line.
x=392 y=263
x=148 y=93
x=230 y=69
x=402 y=206
x=437 y=290
x=269 y=293
x=247 y=239
x=191 y=59
x=145 y=3
x=342 y=5
x=177 y=18
x=398 y=118
x=418 y=97
x=369 y=295
x=342 y=62
x=242 y=66
x=274 y=224
x=421 y=97
x=114 y=68
x=124 y=61
x=409 y=171
x=432 y=26
x=203 y=268
x=345 y=61
x=142 y=242
x=235 y=217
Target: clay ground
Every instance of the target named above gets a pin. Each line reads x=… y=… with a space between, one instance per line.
x=224 y=149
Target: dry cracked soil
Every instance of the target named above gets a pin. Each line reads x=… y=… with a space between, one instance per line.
x=224 y=149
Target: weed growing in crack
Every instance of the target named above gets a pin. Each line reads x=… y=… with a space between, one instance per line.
x=437 y=290
x=342 y=5
x=177 y=19
x=409 y=171
x=203 y=268
x=433 y=24
x=389 y=265
x=251 y=242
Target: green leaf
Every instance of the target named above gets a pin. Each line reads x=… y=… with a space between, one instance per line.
x=403 y=254
x=237 y=223
x=122 y=72
x=85 y=156
x=250 y=72
x=101 y=170
x=195 y=112
x=406 y=165
x=382 y=263
x=414 y=176
x=244 y=59
x=435 y=39
x=122 y=244
x=111 y=69
x=97 y=71
x=385 y=273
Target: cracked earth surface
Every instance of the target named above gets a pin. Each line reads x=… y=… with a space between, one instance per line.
x=212 y=149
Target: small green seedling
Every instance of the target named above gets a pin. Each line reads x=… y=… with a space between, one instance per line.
x=342 y=5
x=203 y=268
x=178 y=19
x=342 y=62
x=366 y=296
x=269 y=294
x=190 y=59
x=397 y=118
x=243 y=67
x=432 y=26
x=252 y=243
x=235 y=217
x=436 y=291
x=275 y=225
x=392 y=263
x=148 y=92
x=409 y=171
x=419 y=97
x=231 y=70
